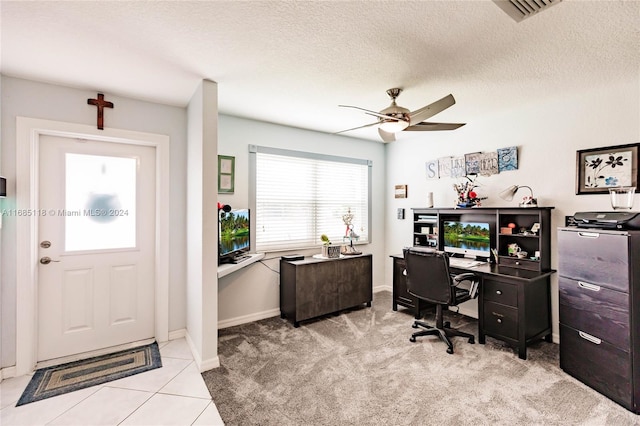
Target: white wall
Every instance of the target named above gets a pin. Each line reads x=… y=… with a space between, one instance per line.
x=547 y=133
x=51 y=102
x=253 y=292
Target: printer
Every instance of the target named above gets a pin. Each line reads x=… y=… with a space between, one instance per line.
x=622 y=220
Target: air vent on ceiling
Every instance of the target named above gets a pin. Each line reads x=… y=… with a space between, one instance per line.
x=520 y=9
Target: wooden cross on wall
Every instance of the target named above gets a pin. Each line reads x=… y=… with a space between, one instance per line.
x=101 y=104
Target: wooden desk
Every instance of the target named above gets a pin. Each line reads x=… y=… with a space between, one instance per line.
x=514 y=305
x=313 y=287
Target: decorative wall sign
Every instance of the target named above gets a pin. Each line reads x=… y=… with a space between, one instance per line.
x=489 y=163
x=444 y=167
x=432 y=169
x=226 y=174
x=599 y=169
x=401 y=191
x=472 y=163
x=458 y=167
x=507 y=159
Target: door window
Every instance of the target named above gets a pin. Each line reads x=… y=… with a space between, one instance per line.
x=100 y=202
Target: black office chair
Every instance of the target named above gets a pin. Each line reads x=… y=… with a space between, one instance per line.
x=428 y=278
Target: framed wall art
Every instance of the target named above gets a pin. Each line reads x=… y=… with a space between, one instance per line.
x=401 y=191
x=226 y=174
x=599 y=169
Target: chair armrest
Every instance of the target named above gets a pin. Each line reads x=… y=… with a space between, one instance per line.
x=468 y=276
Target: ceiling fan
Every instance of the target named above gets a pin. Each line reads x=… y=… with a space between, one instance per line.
x=395 y=118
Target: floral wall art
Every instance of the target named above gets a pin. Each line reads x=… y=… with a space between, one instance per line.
x=599 y=169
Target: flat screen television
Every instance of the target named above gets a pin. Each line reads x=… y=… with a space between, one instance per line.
x=470 y=239
x=233 y=238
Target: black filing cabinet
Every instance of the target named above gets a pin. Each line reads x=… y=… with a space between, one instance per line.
x=599 y=285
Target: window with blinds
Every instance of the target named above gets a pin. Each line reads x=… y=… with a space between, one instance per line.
x=300 y=196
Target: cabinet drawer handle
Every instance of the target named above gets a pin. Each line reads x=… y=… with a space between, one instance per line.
x=498 y=292
x=588 y=286
x=499 y=321
x=589 y=337
x=588 y=234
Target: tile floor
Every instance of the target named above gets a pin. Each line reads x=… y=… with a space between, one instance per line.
x=172 y=395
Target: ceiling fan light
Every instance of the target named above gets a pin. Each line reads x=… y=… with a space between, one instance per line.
x=393 y=126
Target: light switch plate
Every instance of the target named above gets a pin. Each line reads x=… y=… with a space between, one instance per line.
x=400 y=213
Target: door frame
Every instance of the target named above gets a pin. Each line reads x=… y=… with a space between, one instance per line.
x=28 y=134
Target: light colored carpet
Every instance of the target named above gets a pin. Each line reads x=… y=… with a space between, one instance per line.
x=360 y=368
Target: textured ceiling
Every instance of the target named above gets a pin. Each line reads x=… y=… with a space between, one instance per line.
x=292 y=63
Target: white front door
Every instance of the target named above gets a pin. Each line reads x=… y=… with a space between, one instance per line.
x=96 y=236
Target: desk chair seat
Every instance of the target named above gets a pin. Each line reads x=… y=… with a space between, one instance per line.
x=428 y=278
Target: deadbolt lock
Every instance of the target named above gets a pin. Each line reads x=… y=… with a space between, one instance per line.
x=45 y=244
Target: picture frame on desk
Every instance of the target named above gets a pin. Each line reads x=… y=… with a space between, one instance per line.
x=598 y=169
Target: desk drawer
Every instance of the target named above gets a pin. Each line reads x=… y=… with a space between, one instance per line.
x=595 y=257
x=500 y=292
x=501 y=320
x=515 y=262
x=604 y=367
x=596 y=310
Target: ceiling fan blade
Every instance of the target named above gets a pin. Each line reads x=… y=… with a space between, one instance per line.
x=386 y=136
x=432 y=109
x=376 y=114
x=434 y=126
x=359 y=127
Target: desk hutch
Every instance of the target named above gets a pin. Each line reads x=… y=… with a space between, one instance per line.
x=514 y=304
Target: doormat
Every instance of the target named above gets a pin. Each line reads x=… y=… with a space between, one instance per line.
x=76 y=375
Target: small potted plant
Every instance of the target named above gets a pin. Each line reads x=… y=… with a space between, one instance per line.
x=329 y=250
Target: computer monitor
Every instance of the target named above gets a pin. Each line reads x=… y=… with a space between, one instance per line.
x=470 y=239
x=234 y=234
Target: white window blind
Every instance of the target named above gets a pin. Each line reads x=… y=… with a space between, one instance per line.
x=299 y=196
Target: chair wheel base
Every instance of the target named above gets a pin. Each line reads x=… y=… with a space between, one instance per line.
x=414 y=325
x=472 y=340
x=449 y=350
x=412 y=339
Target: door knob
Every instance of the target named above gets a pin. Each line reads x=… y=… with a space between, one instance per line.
x=47 y=260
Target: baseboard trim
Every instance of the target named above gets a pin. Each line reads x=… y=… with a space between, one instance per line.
x=203 y=365
x=380 y=288
x=177 y=334
x=210 y=364
x=7 y=372
x=248 y=318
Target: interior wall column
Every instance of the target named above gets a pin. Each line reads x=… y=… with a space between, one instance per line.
x=202 y=225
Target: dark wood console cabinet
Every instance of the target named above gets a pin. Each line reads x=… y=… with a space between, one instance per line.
x=313 y=287
x=599 y=285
